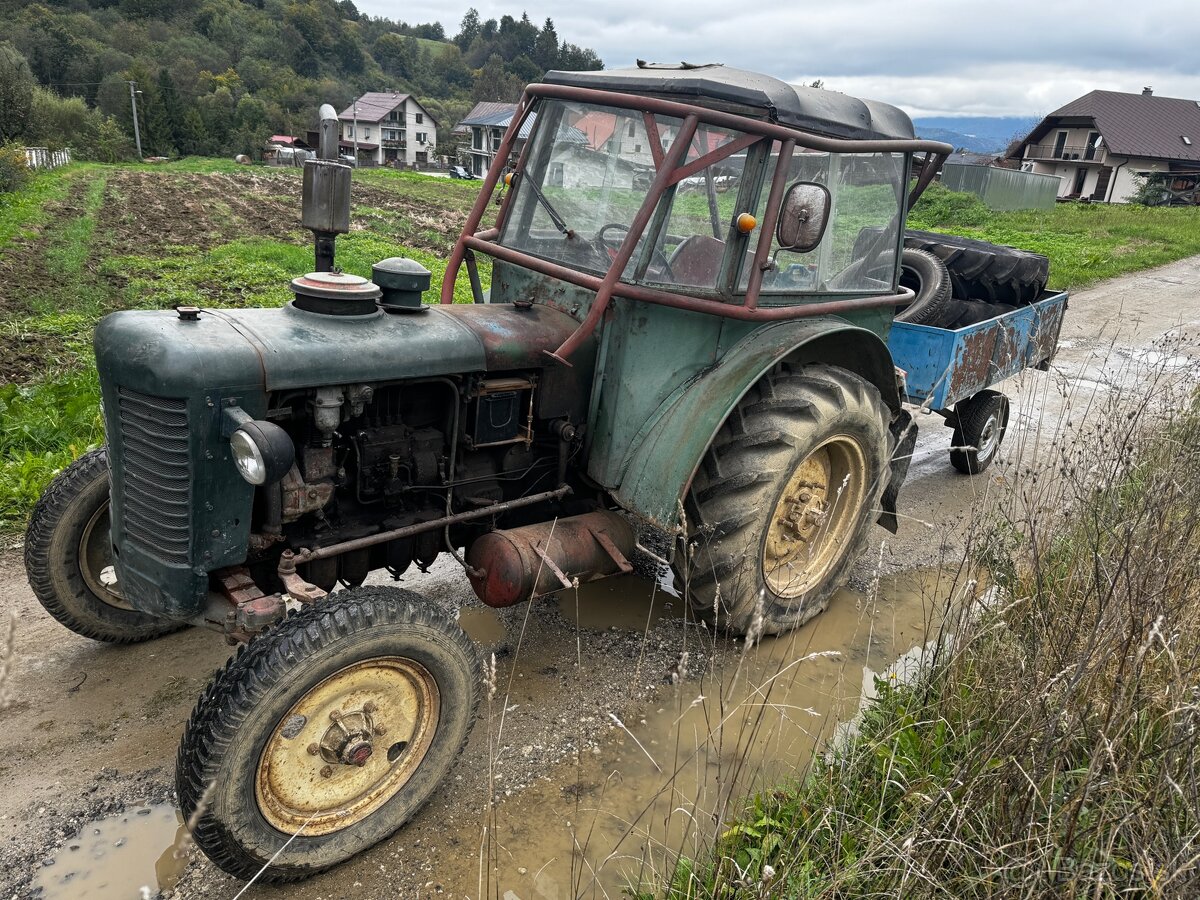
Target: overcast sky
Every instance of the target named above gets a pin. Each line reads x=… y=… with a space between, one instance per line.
x=965 y=58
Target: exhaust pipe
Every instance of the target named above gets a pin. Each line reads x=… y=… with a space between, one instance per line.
x=536 y=560
x=325 y=209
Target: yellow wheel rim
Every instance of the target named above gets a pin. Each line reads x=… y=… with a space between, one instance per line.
x=815 y=518
x=347 y=746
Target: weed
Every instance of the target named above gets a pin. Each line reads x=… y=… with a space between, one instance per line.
x=1053 y=751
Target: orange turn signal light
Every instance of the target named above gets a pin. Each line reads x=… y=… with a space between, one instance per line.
x=746 y=223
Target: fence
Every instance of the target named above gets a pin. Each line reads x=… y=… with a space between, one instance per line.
x=1002 y=188
x=44 y=158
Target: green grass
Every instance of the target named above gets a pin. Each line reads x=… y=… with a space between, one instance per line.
x=43 y=427
x=1086 y=243
x=47 y=423
x=23 y=212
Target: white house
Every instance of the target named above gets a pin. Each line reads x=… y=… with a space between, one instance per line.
x=1098 y=144
x=390 y=129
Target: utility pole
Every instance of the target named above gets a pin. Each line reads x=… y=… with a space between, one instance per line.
x=137 y=134
x=355 y=133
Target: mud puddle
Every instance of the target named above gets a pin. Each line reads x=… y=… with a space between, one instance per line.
x=116 y=857
x=667 y=783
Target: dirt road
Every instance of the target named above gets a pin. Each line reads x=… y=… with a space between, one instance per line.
x=590 y=747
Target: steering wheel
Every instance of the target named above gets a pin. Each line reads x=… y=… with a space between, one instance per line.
x=659 y=269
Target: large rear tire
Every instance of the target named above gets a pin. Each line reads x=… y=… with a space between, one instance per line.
x=68 y=558
x=334 y=727
x=983 y=271
x=785 y=497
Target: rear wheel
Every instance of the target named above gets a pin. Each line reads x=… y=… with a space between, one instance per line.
x=68 y=558
x=785 y=497
x=334 y=727
x=982 y=421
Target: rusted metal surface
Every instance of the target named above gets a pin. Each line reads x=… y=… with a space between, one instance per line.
x=512 y=337
x=945 y=366
x=304 y=556
x=696 y=304
x=524 y=563
x=774 y=201
x=296 y=586
x=347 y=746
x=253 y=610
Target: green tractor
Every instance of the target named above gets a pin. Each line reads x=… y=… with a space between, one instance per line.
x=682 y=357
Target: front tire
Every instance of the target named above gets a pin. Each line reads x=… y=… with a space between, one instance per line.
x=68 y=558
x=336 y=726
x=785 y=497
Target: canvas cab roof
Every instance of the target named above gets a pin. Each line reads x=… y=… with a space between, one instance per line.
x=751 y=94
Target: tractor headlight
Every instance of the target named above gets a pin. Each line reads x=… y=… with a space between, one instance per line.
x=262 y=452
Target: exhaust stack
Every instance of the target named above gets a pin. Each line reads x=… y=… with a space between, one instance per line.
x=326 y=193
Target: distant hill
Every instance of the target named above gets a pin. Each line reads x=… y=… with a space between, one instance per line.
x=979 y=134
x=217 y=77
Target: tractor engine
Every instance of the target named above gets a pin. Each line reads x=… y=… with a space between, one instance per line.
x=386 y=455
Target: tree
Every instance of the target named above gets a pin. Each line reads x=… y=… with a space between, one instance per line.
x=172 y=107
x=159 y=138
x=393 y=52
x=468 y=29
x=16 y=93
x=492 y=82
x=545 y=48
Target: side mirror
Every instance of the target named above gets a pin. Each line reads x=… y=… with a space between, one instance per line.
x=803 y=216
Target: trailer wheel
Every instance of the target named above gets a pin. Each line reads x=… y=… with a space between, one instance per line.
x=981 y=423
x=983 y=271
x=68 y=558
x=785 y=498
x=327 y=733
x=928 y=276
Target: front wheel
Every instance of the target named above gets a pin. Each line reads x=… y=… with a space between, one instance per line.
x=68 y=558
x=326 y=734
x=785 y=497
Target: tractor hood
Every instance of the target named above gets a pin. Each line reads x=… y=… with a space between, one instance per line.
x=168 y=354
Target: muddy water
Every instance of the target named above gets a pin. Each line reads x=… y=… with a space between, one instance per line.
x=660 y=785
x=114 y=858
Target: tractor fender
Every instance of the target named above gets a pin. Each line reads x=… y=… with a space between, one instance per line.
x=671 y=444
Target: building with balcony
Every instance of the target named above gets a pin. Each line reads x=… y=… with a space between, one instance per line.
x=484 y=127
x=1099 y=144
x=390 y=129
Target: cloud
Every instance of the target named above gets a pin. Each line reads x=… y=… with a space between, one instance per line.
x=1021 y=58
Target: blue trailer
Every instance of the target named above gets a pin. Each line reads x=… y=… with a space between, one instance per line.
x=951 y=371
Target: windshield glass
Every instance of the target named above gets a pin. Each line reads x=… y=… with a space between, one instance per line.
x=588 y=174
x=858 y=251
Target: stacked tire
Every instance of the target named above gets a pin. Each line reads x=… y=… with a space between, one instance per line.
x=960 y=281
x=982 y=271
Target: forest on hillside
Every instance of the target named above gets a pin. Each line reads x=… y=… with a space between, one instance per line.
x=218 y=76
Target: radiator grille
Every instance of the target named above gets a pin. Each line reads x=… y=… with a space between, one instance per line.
x=156 y=490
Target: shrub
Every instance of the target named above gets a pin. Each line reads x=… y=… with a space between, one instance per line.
x=13 y=171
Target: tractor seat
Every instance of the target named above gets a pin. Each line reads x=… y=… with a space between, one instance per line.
x=697 y=261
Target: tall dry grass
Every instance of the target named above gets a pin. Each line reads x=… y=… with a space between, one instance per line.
x=1049 y=749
